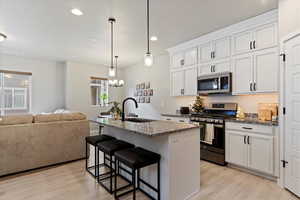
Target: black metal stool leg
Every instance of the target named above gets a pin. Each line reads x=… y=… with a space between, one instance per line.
x=95 y=161
x=86 y=156
x=116 y=177
x=111 y=173
x=158 y=180
x=138 y=179
x=134 y=184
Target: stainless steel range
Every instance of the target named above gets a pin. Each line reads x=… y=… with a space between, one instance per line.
x=212 y=131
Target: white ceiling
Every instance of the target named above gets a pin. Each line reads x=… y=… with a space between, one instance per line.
x=47 y=29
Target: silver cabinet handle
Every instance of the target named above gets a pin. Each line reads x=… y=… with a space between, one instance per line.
x=251 y=45
x=254 y=44
x=181 y=120
x=245 y=139
x=254 y=86
x=182 y=62
x=251 y=87
x=248 y=140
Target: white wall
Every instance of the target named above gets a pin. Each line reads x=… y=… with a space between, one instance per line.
x=78 y=88
x=289 y=16
x=162 y=102
x=47 y=80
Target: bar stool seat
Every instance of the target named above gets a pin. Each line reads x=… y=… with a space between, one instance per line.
x=93 y=140
x=110 y=147
x=136 y=159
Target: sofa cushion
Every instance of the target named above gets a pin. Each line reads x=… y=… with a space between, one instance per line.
x=73 y=116
x=47 y=118
x=16 y=119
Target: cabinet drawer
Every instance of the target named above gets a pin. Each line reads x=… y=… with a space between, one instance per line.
x=251 y=128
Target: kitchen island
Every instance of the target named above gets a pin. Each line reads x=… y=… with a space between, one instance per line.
x=179 y=147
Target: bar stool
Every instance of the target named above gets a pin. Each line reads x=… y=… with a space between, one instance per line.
x=93 y=140
x=136 y=159
x=109 y=148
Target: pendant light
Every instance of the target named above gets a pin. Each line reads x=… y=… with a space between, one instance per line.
x=148 y=58
x=112 y=71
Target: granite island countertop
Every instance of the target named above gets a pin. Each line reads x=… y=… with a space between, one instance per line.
x=175 y=115
x=153 y=128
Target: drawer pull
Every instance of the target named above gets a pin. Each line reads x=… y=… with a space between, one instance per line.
x=247 y=128
x=168 y=119
x=181 y=120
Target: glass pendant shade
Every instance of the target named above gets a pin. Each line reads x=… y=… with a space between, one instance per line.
x=111 y=72
x=148 y=59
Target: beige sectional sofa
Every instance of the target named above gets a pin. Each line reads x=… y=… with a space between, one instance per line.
x=29 y=142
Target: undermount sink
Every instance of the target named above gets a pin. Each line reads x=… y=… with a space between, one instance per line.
x=139 y=120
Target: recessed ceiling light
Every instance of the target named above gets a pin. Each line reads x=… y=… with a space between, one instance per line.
x=154 y=38
x=2 y=37
x=76 y=12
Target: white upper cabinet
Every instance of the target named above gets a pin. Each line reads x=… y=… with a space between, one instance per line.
x=184 y=82
x=205 y=52
x=191 y=57
x=185 y=59
x=256 y=72
x=266 y=67
x=178 y=60
x=217 y=67
x=214 y=50
x=177 y=78
x=190 y=82
x=265 y=36
x=222 y=48
x=242 y=74
x=241 y=42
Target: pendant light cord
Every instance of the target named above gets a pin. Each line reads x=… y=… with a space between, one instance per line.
x=148 y=27
x=112 y=45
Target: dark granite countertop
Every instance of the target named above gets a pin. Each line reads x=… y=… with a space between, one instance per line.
x=175 y=115
x=153 y=128
x=253 y=121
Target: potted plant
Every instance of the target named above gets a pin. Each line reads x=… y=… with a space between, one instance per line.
x=115 y=110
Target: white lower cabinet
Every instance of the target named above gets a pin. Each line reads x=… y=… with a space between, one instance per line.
x=260 y=153
x=250 y=146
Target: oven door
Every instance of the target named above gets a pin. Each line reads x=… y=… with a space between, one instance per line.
x=213 y=135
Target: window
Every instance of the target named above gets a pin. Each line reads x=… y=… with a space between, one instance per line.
x=99 y=91
x=15 y=90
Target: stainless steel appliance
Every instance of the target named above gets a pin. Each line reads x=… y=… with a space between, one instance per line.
x=212 y=131
x=219 y=83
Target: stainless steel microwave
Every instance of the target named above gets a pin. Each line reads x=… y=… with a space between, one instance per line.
x=220 y=83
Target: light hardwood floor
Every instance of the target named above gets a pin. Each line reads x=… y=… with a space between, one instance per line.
x=71 y=182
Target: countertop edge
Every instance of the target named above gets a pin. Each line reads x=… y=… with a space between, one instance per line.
x=250 y=121
x=141 y=133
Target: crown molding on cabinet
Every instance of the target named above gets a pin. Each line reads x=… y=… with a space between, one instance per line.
x=268 y=17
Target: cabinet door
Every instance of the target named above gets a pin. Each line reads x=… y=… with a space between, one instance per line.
x=190 y=82
x=178 y=60
x=242 y=74
x=205 y=52
x=191 y=57
x=222 y=48
x=177 y=83
x=222 y=67
x=260 y=153
x=236 y=148
x=266 y=67
x=205 y=69
x=266 y=36
x=241 y=42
